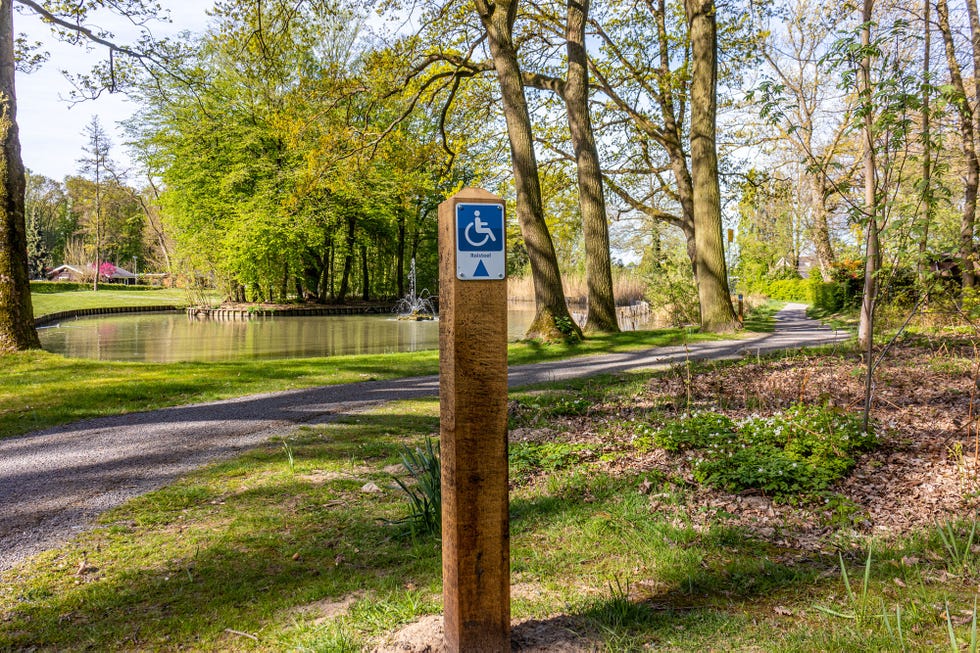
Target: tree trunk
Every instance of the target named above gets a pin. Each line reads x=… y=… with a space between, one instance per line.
x=717 y=312
x=922 y=266
x=552 y=320
x=17 y=330
x=872 y=250
x=365 y=279
x=98 y=220
x=284 y=285
x=598 y=267
x=967 y=135
x=400 y=255
x=820 y=229
x=348 y=260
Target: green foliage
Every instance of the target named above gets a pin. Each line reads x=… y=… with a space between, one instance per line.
x=283 y=173
x=858 y=603
x=37 y=253
x=666 y=268
x=788 y=290
x=55 y=287
x=802 y=450
x=954 y=644
x=959 y=551
x=425 y=493
x=699 y=431
x=529 y=458
x=843 y=292
x=565 y=326
x=536 y=409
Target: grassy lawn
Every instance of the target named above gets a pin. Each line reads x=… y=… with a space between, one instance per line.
x=283 y=549
x=39 y=389
x=49 y=302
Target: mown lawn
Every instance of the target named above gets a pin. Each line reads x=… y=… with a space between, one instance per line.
x=49 y=302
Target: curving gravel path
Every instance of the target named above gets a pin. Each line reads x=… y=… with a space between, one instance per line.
x=54 y=482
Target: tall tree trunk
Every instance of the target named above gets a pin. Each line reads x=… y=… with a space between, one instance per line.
x=365 y=278
x=922 y=266
x=967 y=135
x=98 y=219
x=552 y=319
x=598 y=267
x=17 y=330
x=400 y=254
x=284 y=285
x=717 y=312
x=820 y=229
x=348 y=260
x=872 y=250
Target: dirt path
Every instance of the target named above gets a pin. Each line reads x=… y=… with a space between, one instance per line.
x=54 y=482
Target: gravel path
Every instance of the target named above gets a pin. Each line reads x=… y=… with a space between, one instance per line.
x=53 y=483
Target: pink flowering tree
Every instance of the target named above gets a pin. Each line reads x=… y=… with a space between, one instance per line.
x=106 y=270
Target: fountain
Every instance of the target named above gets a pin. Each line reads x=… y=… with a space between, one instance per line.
x=415 y=306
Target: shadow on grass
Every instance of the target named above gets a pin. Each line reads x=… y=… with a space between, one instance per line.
x=255 y=560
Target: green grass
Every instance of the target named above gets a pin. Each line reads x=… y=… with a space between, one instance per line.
x=762 y=319
x=46 y=303
x=267 y=554
x=39 y=390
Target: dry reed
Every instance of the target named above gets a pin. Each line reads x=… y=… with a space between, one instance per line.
x=627 y=289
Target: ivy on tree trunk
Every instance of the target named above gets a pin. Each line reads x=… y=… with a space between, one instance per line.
x=17 y=330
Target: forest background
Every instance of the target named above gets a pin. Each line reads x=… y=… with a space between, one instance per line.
x=299 y=150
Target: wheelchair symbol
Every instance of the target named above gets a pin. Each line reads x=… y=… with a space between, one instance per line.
x=481 y=228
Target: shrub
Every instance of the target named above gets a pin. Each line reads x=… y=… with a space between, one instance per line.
x=789 y=290
x=802 y=450
x=835 y=296
x=54 y=287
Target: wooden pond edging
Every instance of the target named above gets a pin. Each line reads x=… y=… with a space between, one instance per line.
x=114 y=310
x=242 y=314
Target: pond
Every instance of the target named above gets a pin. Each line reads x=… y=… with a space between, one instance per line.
x=171 y=337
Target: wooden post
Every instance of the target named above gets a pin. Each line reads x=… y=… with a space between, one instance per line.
x=473 y=431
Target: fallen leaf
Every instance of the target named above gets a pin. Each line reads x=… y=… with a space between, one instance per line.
x=783 y=612
x=899 y=582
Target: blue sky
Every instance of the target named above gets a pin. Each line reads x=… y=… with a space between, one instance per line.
x=51 y=127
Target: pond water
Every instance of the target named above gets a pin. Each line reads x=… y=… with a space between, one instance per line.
x=171 y=337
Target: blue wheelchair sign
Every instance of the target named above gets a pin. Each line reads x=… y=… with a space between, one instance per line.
x=480 y=241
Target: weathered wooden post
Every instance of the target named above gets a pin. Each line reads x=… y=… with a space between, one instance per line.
x=473 y=414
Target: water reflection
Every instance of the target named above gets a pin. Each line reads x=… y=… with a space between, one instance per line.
x=171 y=337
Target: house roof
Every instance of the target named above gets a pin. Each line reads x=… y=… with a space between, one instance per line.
x=64 y=268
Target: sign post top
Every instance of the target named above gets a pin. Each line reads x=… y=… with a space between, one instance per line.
x=480 y=237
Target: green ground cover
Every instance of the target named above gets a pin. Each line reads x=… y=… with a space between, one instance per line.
x=283 y=549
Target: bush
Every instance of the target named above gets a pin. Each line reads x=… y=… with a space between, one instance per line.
x=800 y=451
x=54 y=287
x=835 y=296
x=789 y=290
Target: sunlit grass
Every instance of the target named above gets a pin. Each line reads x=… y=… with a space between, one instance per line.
x=267 y=554
x=47 y=303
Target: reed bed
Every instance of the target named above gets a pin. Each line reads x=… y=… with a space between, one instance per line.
x=628 y=289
